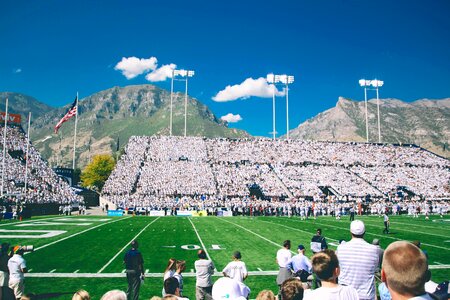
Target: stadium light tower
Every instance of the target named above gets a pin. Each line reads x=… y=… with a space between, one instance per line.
x=375 y=84
x=365 y=83
x=186 y=74
x=285 y=79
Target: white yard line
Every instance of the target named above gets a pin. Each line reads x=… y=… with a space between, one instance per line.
x=76 y=271
x=52 y=271
x=402 y=229
x=254 y=233
x=384 y=236
x=29 y=221
x=75 y=234
x=419 y=225
x=160 y=275
x=126 y=245
x=201 y=242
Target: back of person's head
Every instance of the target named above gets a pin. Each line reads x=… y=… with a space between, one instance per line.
x=28 y=297
x=291 y=289
x=266 y=295
x=201 y=254
x=134 y=244
x=171 y=285
x=155 y=298
x=81 y=295
x=114 y=295
x=287 y=244
x=171 y=265
x=237 y=254
x=325 y=264
x=405 y=269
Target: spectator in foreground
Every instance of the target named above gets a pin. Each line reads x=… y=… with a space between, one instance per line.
x=17 y=267
x=300 y=264
x=358 y=261
x=283 y=257
x=172 y=288
x=326 y=266
x=405 y=271
x=114 y=295
x=236 y=269
x=81 y=295
x=229 y=289
x=291 y=289
x=204 y=269
x=266 y=295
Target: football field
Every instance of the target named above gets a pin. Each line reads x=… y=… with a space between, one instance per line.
x=87 y=251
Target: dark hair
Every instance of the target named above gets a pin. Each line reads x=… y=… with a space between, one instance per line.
x=324 y=263
x=319 y=231
x=201 y=254
x=134 y=244
x=291 y=289
x=287 y=244
x=171 y=284
x=237 y=255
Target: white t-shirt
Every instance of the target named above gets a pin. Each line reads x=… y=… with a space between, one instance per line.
x=236 y=270
x=283 y=257
x=15 y=265
x=336 y=293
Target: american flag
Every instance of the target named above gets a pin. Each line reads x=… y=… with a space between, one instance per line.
x=69 y=114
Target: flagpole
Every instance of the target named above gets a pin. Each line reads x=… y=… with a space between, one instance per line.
x=28 y=148
x=75 y=136
x=4 y=148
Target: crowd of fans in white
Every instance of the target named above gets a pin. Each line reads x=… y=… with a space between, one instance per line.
x=43 y=185
x=154 y=170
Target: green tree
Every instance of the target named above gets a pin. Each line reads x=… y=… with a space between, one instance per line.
x=97 y=172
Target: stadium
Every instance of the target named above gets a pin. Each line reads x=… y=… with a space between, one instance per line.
x=177 y=195
x=224 y=150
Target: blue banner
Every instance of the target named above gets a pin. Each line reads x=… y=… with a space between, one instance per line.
x=115 y=213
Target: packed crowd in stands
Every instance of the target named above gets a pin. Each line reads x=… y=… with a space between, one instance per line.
x=43 y=185
x=190 y=172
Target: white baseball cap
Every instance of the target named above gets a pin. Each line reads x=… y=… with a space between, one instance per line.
x=229 y=289
x=357 y=227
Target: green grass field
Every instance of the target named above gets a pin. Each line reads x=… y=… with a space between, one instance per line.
x=87 y=251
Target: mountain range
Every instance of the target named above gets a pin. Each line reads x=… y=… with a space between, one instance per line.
x=108 y=118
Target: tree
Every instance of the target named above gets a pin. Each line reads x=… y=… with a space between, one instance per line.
x=97 y=172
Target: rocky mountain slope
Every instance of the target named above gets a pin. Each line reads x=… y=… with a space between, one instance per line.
x=108 y=118
x=423 y=122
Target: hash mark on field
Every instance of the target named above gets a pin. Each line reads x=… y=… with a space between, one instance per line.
x=259 y=269
x=127 y=244
x=76 y=271
x=436 y=262
x=52 y=271
x=192 y=270
x=123 y=271
x=30 y=270
x=146 y=270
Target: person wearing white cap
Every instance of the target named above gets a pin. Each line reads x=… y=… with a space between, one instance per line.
x=228 y=289
x=358 y=261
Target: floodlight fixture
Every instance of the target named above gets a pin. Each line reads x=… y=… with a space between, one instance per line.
x=376 y=84
x=186 y=74
x=270 y=78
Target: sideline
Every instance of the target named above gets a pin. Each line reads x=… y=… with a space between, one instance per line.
x=126 y=245
x=75 y=234
x=34 y=220
x=160 y=275
x=201 y=242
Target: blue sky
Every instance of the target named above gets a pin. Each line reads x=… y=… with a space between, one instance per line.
x=51 y=49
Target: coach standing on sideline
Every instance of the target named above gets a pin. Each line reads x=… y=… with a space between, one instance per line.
x=283 y=257
x=318 y=242
x=134 y=264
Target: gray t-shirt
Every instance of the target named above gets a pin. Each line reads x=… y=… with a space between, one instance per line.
x=204 y=269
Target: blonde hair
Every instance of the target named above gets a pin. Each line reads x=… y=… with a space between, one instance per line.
x=266 y=295
x=405 y=268
x=171 y=265
x=81 y=295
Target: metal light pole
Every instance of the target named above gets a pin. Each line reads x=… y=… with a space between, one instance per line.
x=287 y=80
x=364 y=83
x=187 y=74
x=28 y=149
x=377 y=83
x=271 y=79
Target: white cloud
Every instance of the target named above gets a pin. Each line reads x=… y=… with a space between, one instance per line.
x=18 y=70
x=161 y=73
x=248 y=88
x=230 y=118
x=133 y=66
